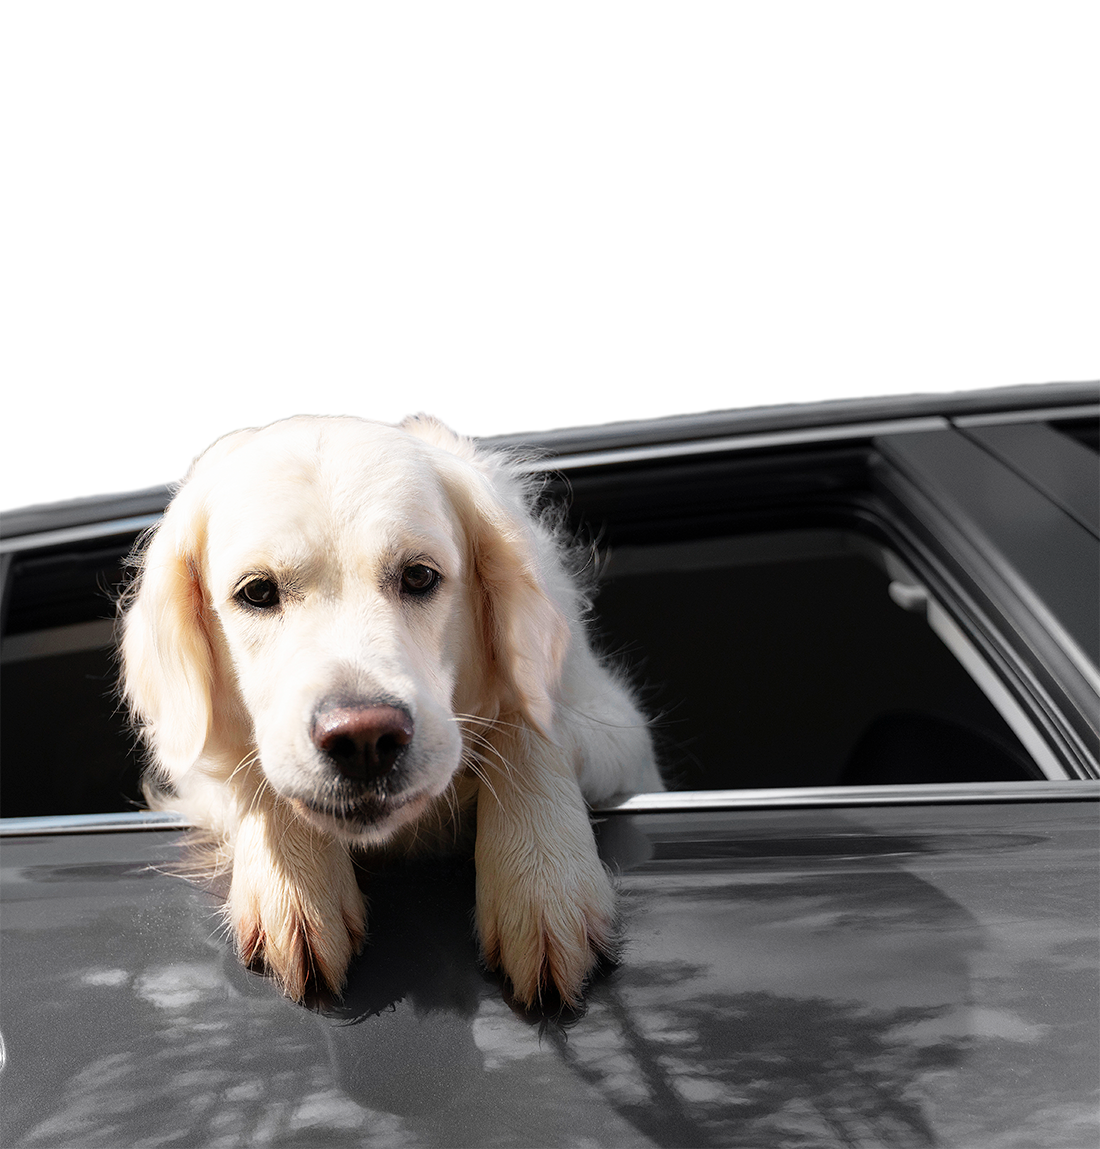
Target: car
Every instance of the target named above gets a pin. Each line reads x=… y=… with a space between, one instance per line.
x=864 y=912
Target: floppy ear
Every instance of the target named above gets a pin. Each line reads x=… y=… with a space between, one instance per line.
x=523 y=594
x=167 y=661
x=166 y=650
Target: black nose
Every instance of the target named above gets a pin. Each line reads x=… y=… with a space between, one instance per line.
x=364 y=742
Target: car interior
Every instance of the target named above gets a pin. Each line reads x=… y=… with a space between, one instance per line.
x=795 y=659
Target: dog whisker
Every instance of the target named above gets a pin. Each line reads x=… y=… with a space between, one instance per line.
x=475 y=764
x=482 y=746
x=247 y=761
x=492 y=723
x=485 y=752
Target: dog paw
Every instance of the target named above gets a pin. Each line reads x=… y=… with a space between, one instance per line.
x=547 y=930
x=304 y=934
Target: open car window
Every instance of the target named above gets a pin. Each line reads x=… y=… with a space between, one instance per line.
x=780 y=659
x=801 y=658
x=797 y=609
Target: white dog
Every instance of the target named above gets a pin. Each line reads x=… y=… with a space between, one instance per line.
x=347 y=637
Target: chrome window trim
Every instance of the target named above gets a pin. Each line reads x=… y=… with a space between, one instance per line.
x=972 y=793
x=1036 y=415
x=1000 y=697
x=840 y=796
x=750 y=441
x=93 y=823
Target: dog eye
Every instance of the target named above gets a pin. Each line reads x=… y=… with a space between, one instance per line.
x=259 y=592
x=418 y=579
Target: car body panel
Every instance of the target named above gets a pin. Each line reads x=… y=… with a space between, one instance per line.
x=1064 y=472
x=887 y=975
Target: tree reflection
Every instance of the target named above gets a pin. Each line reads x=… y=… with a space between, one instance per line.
x=728 y=1070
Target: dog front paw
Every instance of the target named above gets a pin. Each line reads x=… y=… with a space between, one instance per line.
x=303 y=933
x=547 y=929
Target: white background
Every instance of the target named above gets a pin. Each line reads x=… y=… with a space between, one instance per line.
x=738 y=190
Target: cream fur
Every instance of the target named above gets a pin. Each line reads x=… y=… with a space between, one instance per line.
x=514 y=716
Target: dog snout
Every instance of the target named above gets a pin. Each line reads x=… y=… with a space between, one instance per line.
x=363 y=741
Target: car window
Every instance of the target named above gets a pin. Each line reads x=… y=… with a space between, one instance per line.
x=64 y=739
x=775 y=659
x=795 y=659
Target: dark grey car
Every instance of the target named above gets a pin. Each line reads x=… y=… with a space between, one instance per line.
x=865 y=913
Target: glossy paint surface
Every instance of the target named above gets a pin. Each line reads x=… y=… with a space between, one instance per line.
x=887 y=976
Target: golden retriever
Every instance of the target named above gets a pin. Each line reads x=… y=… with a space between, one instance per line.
x=347 y=637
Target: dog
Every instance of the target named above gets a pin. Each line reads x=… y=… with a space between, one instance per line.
x=347 y=638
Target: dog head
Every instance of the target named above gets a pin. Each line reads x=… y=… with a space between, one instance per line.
x=326 y=601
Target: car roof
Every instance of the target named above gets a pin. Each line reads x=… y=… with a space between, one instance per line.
x=632 y=433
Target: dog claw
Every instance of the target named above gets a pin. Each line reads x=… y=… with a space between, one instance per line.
x=549 y=952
